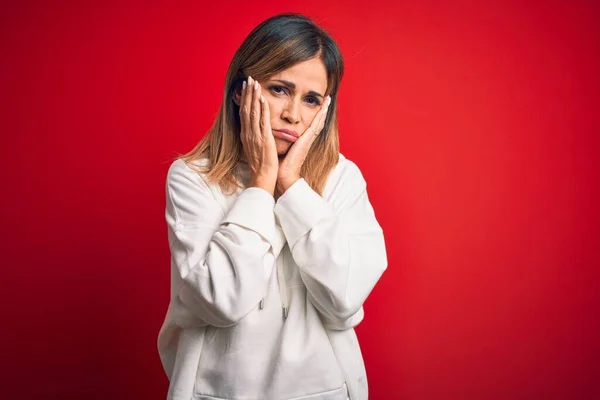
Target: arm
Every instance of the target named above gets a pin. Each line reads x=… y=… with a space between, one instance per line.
x=222 y=261
x=338 y=245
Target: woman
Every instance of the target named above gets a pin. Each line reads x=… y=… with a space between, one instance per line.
x=274 y=244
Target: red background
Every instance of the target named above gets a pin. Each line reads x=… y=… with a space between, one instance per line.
x=475 y=124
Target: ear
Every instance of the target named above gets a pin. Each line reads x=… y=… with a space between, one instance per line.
x=237 y=95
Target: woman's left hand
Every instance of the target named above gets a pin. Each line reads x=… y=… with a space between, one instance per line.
x=289 y=168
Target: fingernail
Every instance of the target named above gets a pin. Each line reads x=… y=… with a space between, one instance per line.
x=255 y=85
x=262 y=98
x=249 y=80
x=244 y=85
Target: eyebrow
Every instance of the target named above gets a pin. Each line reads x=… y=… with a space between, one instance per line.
x=292 y=85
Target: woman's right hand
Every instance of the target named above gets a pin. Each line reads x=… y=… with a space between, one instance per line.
x=257 y=138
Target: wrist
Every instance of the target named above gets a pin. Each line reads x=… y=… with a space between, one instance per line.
x=265 y=184
x=283 y=184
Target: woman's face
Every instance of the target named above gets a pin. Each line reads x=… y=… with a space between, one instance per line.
x=294 y=97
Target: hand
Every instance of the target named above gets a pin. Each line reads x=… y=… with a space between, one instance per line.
x=289 y=169
x=257 y=138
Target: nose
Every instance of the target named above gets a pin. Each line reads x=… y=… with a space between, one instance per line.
x=291 y=111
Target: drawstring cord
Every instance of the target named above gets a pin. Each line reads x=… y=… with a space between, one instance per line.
x=282 y=290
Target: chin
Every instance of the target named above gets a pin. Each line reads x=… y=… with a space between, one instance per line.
x=282 y=146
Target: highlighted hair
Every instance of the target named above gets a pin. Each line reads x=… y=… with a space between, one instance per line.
x=276 y=44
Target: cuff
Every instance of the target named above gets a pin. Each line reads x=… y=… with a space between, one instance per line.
x=253 y=209
x=299 y=209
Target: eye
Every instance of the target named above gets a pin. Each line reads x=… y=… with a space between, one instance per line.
x=277 y=89
x=313 y=101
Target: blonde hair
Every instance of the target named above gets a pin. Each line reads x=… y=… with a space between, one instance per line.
x=273 y=46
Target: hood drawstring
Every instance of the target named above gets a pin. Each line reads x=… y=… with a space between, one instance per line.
x=283 y=293
x=285 y=301
x=282 y=288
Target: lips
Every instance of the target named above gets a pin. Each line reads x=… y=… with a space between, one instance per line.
x=287 y=131
x=286 y=134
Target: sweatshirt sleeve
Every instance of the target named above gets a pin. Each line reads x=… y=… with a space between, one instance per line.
x=337 y=244
x=222 y=261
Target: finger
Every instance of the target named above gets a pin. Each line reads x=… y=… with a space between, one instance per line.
x=305 y=141
x=319 y=120
x=246 y=106
x=241 y=111
x=255 y=112
x=265 y=118
x=324 y=117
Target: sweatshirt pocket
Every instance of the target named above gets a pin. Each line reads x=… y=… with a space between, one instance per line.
x=207 y=397
x=340 y=393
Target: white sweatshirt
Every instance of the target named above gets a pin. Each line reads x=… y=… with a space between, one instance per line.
x=265 y=294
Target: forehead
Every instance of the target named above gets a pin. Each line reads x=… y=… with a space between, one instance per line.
x=307 y=75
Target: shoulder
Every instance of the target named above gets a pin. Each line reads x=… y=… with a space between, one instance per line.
x=179 y=166
x=182 y=174
x=346 y=169
x=345 y=176
x=190 y=200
